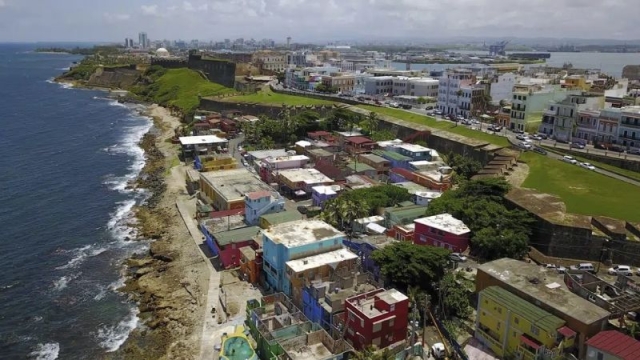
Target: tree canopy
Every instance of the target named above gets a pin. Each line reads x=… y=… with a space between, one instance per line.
x=497 y=231
x=464 y=167
x=358 y=203
x=407 y=265
x=455 y=300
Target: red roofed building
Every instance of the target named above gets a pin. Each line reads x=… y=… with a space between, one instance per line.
x=612 y=345
x=359 y=144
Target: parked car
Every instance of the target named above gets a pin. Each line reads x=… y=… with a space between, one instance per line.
x=620 y=270
x=525 y=145
x=406 y=106
x=438 y=112
x=394 y=105
x=540 y=150
x=550 y=266
x=536 y=137
x=561 y=269
x=429 y=107
x=569 y=159
x=431 y=113
x=586 y=165
x=576 y=145
x=460 y=118
x=521 y=136
x=517 y=131
x=542 y=136
x=616 y=148
x=586 y=267
x=457 y=257
x=633 y=151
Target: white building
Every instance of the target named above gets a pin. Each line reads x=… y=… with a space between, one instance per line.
x=401 y=85
x=378 y=85
x=608 y=124
x=449 y=89
x=501 y=87
x=560 y=120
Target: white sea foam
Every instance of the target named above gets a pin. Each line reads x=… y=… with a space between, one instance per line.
x=82 y=254
x=112 y=337
x=118 y=104
x=48 y=351
x=64 y=69
x=64 y=281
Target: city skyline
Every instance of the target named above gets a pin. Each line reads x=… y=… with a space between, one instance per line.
x=308 y=21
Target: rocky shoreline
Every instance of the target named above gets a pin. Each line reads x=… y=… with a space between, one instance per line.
x=167 y=282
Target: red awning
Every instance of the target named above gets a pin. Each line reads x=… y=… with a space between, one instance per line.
x=566 y=332
x=529 y=342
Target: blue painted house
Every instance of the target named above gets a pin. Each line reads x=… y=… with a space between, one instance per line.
x=364 y=247
x=260 y=203
x=295 y=240
x=396 y=159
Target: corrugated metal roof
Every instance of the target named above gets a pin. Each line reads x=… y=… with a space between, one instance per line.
x=524 y=309
x=616 y=343
x=236 y=235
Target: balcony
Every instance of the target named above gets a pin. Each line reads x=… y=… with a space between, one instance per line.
x=634 y=124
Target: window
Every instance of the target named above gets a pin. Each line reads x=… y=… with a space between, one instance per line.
x=391 y=322
x=377 y=327
x=600 y=356
x=534 y=330
x=361 y=322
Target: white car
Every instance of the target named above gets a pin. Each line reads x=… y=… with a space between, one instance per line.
x=620 y=270
x=525 y=145
x=536 y=137
x=521 y=136
x=457 y=257
x=561 y=269
x=438 y=351
x=569 y=159
x=586 y=165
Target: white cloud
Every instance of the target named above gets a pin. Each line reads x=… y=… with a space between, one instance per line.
x=151 y=10
x=187 y=6
x=2 y=3
x=112 y=18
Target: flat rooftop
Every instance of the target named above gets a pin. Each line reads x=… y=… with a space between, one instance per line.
x=329 y=258
x=411 y=187
x=413 y=148
x=519 y=275
x=445 y=222
x=263 y=154
x=301 y=232
x=226 y=223
x=307 y=176
x=279 y=159
x=327 y=189
x=235 y=184
x=374 y=158
x=201 y=140
x=367 y=304
x=316 y=351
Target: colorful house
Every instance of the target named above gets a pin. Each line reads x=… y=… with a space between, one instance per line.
x=443 y=231
x=378 y=318
x=612 y=345
x=295 y=240
x=323 y=193
x=227 y=244
x=226 y=189
x=402 y=232
x=251 y=264
x=359 y=144
x=413 y=151
x=402 y=215
x=364 y=247
x=396 y=160
x=511 y=326
x=259 y=203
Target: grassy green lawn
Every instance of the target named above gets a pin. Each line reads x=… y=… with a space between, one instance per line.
x=266 y=96
x=583 y=191
x=181 y=87
x=442 y=125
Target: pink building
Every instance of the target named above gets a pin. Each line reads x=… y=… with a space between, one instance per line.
x=442 y=230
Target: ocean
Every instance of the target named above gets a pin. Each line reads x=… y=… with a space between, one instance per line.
x=609 y=63
x=66 y=156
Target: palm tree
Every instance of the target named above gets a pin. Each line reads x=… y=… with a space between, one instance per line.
x=372 y=122
x=330 y=213
x=351 y=210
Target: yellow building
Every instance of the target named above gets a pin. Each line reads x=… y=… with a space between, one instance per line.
x=511 y=326
x=270 y=60
x=576 y=82
x=226 y=189
x=211 y=163
x=340 y=82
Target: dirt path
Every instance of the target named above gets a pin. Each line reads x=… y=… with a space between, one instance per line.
x=518 y=175
x=171 y=282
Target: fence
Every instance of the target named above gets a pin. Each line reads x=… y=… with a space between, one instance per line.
x=454 y=342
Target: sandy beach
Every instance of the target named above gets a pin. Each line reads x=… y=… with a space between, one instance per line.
x=169 y=283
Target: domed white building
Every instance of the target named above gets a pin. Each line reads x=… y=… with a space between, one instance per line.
x=162 y=52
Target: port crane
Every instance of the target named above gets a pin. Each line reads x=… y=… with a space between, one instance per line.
x=498 y=48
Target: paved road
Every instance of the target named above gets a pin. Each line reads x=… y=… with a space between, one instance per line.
x=210 y=324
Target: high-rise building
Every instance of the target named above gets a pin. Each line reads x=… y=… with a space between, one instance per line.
x=126 y=42
x=143 y=40
x=288 y=42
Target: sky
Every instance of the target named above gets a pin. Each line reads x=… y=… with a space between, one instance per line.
x=315 y=20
